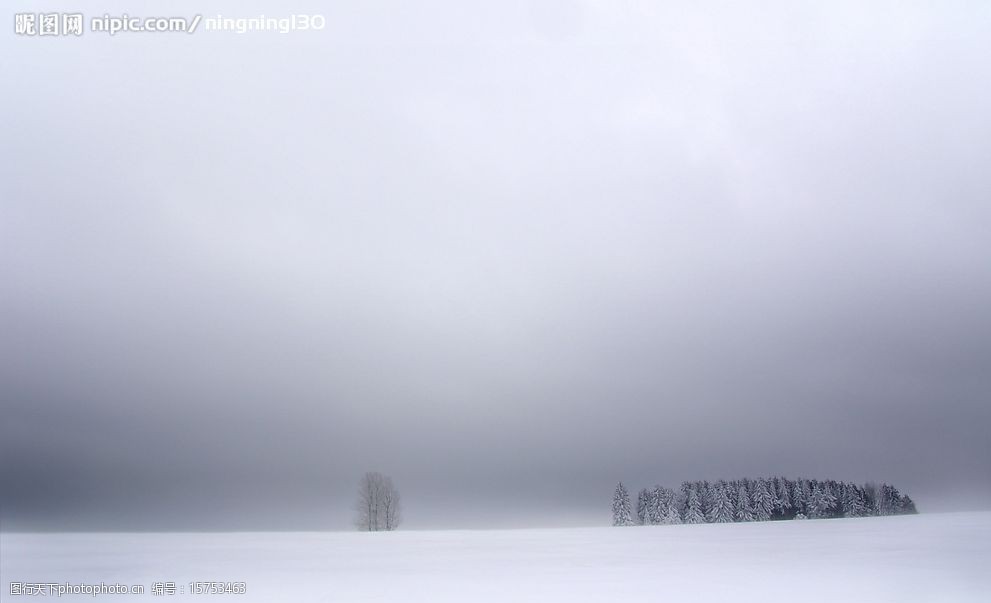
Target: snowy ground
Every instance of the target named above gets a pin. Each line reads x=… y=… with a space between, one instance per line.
x=938 y=557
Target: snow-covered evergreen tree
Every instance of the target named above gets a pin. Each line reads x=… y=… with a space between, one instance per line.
x=744 y=510
x=643 y=508
x=693 y=506
x=906 y=505
x=800 y=496
x=621 y=507
x=733 y=493
x=705 y=497
x=831 y=491
x=761 y=501
x=821 y=502
x=671 y=507
x=681 y=500
x=890 y=499
x=773 y=493
x=720 y=509
x=657 y=506
x=783 y=489
x=853 y=501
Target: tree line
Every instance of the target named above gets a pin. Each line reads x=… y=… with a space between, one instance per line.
x=762 y=499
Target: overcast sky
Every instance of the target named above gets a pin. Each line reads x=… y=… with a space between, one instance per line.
x=507 y=254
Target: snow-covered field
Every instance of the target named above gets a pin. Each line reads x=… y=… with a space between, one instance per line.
x=937 y=557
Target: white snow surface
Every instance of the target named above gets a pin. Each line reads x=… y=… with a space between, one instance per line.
x=934 y=557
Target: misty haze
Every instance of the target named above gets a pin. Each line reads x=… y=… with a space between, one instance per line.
x=438 y=266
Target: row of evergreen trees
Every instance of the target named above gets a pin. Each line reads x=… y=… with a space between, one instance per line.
x=762 y=499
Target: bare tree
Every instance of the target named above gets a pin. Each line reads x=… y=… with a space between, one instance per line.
x=368 y=500
x=378 y=503
x=391 y=509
